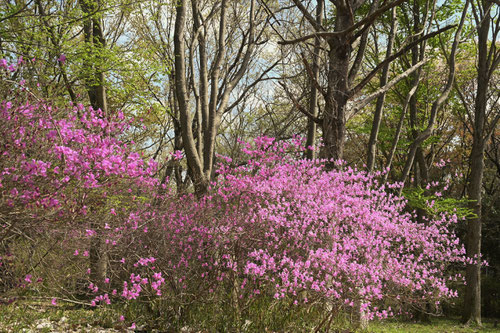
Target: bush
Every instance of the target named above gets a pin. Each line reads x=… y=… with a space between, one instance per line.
x=275 y=234
x=63 y=175
x=283 y=231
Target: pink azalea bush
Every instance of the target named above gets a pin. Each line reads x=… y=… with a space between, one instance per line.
x=285 y=229
x=63 y=171
x=274 y=229
x=339 y=234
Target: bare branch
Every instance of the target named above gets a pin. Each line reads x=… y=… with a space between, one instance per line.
x=17 y=12
x=354 y=91
x=329 y=34
x=299 y=107
x=308 y=16
x=422 y=136
x=364 y=102
x=253 y=84
x=312 y=76
x=362 y=46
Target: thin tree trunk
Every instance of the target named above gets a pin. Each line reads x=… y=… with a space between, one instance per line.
x=100 y=86
x=94 y=39
x=398 y=131
x=377 y=116
x=181 y=94
x=472 y=301
x=420 y=137
x=313 y=98
x=211 y=97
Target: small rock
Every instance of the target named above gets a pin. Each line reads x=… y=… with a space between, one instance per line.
x=43 y=323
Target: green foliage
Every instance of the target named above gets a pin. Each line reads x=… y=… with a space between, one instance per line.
x=419 y=199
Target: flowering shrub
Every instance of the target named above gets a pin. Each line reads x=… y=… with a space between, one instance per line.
x=340 y=235
x=284 y=228
x=62 y=172
x=275 y=230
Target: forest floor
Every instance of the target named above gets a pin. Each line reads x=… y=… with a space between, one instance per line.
x=437 y=325
x=23 y=316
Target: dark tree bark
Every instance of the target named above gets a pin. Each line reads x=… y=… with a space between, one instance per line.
x=96 y=89
x=337 y=93
x=95 y=41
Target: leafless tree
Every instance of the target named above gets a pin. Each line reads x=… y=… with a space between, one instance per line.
x=204 y=84
x=343 y=80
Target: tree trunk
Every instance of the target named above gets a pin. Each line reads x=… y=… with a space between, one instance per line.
x=313 y=98
x=472 y=302
x=95 y=42
x=95 y=81
x=337 y=93
x=377 y=116
x=98 y=256
x=181 y=94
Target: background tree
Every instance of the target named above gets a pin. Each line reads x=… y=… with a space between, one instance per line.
x=210 y=83
x=485 y=115
x=343 y=82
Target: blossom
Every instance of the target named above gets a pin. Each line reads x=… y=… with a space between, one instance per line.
x=62 y=58
x=177 y=155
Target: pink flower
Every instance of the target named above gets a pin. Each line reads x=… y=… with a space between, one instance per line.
x=177 y=155
x=90 y=232
x=62 y=58
x=14 y=192
x=54 y=301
